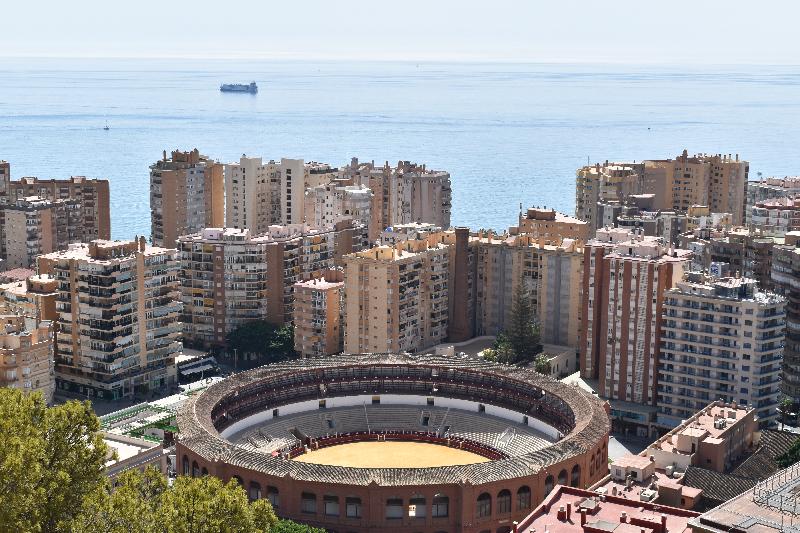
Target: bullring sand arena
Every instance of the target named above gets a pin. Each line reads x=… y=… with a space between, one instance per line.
x=396 y=443
x=390 y=454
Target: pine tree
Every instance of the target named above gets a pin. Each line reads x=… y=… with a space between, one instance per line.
x=523 y=333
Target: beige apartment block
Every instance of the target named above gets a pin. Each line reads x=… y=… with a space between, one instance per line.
x=406 y=193
x=118 y=317
x=551 y=227
x=91 y=195
x=33 y=297
x=187 y=194
x=251 y=194
x=318 y=315
x=333 y=202
x=26 y=355
x=603 y=184
x=35 y=226
x=718 y=181
x=260 y=194
x=396 y=298
x=625 y=278
x=721 y=339
x=229 y=276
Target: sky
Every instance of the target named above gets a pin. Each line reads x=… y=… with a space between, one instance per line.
x=602 y=31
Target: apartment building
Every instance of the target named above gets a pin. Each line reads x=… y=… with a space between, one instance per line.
x=91 y=195
x=625 y=278
x=318 y=315
x=230 y=276
x=775 y=217
x=34 y=297
x=118 y=317
x=329 y=203
x=223 y=283
x=187 y=194
x=770 y=189
x=603 y=184
x=397 y=298
x=746 y=251
x=26 y=355
x=786 y=280
x=721 y=339
x=251 y=195
x=406 y=193
x=717 y=181
x=551 y=227
x=35 y=226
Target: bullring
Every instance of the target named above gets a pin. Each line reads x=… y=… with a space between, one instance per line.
x=500 y=438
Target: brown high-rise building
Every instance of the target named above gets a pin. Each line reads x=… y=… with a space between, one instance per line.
x=35 y=226
x=229 y=277
x=187 y=194
x=118 y=311
x=91 y=195
x=717 y=181
x=318 y=315
x=625 y=276
x=33 y=297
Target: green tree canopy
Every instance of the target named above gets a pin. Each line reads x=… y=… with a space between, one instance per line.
x=542 y=365
x=523 y=333
x=52 y=480
x=268 y=342
x=50 y=461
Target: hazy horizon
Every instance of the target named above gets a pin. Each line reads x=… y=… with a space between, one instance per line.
x=735 y=32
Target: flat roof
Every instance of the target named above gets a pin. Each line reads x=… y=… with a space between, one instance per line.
x=603 y=514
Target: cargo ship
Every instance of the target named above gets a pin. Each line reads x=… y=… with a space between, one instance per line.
x=251 y=88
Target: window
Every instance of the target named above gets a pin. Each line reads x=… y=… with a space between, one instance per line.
x=274 y=497
x=484 y=507
x=238 y=480
x=308 y=503
x=195 y=469
x=331 y=505
x=439 y=509
x=353 y=507
x=576 y=476
x=394 y=508
x=255 y=491
x=524 y=498
x=185 y=466
x=548 y=484
x=417 y=507
x=504 y=501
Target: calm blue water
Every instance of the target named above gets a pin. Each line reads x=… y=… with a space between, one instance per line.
x=507 y=133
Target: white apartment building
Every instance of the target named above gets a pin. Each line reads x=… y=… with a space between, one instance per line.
x=721 y=339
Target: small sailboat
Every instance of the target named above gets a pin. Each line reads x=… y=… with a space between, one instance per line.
x=106 y=128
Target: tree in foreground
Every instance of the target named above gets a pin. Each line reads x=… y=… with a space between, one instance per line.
x=53 y=480
x=51 y=459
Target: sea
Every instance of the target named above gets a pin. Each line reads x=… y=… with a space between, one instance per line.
x=510 y=134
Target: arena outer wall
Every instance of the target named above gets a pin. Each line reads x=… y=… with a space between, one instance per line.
x=579 y=458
